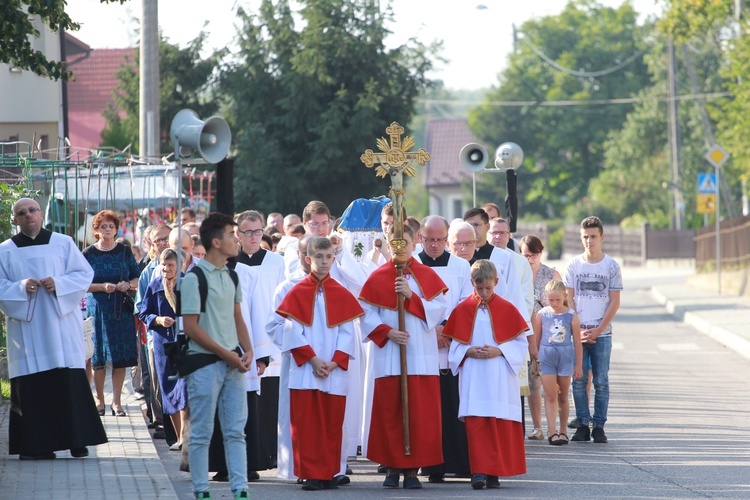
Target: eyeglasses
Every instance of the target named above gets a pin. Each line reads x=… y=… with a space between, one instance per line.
x=499 y=233
x=161 y=240
x=251 y=232
x=30 y=210
x=316 y=225
x=107 y=226
x=530 y=255
x=464 y=244
x=435 y=241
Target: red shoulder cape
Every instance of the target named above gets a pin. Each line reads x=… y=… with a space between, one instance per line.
x=379 y=291
x=299 y=303
x=507 y=323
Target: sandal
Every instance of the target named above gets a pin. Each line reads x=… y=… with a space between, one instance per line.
x=557 y=439
x=536 y=434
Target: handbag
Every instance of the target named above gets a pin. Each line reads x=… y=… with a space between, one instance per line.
x=127 y=305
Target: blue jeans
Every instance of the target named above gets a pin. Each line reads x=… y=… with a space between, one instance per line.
x=597 y=356
x=208 y=387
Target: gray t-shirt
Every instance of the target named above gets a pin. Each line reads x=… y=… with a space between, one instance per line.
x=592 y=284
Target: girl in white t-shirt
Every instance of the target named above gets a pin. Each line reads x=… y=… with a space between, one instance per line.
x=557 y=334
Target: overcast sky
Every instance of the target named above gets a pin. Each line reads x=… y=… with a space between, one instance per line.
x=477 y=35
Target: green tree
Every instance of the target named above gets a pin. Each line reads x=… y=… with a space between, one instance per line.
x=308 y=97
x=563 y=145
x=186 y=80
x=17 y=30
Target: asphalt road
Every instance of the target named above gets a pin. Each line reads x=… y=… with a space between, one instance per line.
x=679 y=423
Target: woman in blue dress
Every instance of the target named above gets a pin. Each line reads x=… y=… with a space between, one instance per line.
x=158 y=314
x=115 y=275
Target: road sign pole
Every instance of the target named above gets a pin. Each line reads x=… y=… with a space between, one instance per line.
x=718 y=230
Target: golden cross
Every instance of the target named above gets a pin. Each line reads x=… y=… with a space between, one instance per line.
x=395 y=159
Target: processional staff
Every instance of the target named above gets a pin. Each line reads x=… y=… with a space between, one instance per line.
x=395 y=159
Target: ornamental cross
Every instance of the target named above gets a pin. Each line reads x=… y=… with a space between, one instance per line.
x=395 y=159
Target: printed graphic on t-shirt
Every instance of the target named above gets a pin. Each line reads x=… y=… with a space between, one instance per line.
x=558 y=332
x=593 y=286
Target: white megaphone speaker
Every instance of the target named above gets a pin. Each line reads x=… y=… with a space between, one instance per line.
x=508 y=156
x=210 y=139
x=473 y=157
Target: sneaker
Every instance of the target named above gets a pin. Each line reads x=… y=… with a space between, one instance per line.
x=240 y=494
x=573 y=424
x=411 y=481
x=583 y=433
x=391 y=478
x=493 y=482
x=598 y=434
x=201 y=495
x=478 y=481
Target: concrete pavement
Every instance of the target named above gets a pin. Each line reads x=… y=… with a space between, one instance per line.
x=677 y=424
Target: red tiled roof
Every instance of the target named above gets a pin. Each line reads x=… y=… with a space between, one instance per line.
x=445 y=138
x=90 y=91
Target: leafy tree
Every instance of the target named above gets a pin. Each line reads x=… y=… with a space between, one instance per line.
x=17 y=31
x=563 y=145
x=307 y=98
x=186 y=80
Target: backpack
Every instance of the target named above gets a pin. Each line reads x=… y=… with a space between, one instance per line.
x=203 y=287
x=177 y=351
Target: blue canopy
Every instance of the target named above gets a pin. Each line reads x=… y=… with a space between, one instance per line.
x=363 y=214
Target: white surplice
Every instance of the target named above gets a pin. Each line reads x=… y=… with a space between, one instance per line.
x=489 y=387
x=45 y=330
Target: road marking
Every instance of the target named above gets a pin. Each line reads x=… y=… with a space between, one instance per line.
x=686 y=346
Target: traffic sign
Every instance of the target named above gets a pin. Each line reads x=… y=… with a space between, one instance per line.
x=716 y=156
x=705 y=203
x=707 y=183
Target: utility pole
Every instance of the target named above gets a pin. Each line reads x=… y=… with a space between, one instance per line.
x=148 y=106
x=674 y=140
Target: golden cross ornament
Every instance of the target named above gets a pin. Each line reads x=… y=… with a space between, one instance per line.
x=395 y=159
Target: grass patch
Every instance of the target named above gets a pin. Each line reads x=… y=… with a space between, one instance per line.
x=5 y=388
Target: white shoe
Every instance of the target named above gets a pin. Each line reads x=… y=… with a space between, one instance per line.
x=536 y=434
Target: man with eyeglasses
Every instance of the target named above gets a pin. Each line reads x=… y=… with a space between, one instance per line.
x=159 y=242
x=456 y=274
x=43 y=278
x=514 y=294
x=265 y=270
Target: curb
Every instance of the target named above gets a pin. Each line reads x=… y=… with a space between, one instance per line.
x=717 y=333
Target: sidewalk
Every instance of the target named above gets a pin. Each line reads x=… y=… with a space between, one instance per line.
x=128 y=466
x=724 y=318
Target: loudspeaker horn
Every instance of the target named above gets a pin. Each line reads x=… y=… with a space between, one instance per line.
x=211 y=138
x=508 y=155
x=473 y=157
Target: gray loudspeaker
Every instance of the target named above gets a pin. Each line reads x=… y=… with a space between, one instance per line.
x=473 y=157
x=210 y=139
x=508 y=155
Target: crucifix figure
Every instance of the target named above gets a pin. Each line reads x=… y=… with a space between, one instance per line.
x=395 y=159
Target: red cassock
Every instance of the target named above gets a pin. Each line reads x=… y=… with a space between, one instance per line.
x=385 y=443
x=317 y=417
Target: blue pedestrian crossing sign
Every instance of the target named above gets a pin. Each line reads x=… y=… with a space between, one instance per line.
x=707 y=183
